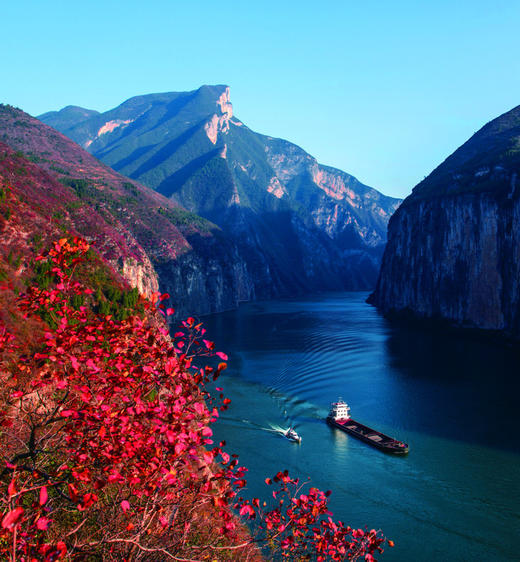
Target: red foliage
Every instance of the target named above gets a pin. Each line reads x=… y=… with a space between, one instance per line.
x=108 y=448
x=300 y=525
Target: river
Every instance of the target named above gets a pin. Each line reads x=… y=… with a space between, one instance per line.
x=453 y=399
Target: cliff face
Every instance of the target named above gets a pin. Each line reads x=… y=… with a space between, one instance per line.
x=210 y=279
x=338 y=203
x=453 y=249
x=298 y=226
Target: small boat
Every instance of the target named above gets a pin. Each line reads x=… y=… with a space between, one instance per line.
x=292 y=435
x=339 y=416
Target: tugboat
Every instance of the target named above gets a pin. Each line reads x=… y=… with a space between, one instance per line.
x=292 y=435
x=339 y=416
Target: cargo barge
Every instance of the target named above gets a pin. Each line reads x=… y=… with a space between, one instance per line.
x=339 y=416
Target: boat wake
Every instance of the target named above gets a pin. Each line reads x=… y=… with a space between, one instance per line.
x=277 y=429
x=248 y=424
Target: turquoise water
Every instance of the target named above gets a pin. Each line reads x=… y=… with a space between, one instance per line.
x=456 y=496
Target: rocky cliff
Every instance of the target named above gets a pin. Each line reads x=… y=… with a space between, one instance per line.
x=453 y=249
x=298 y=226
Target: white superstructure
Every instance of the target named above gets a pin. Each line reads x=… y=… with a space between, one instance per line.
x=339 y=410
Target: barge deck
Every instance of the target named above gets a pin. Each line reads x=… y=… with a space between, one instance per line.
x=339 y=417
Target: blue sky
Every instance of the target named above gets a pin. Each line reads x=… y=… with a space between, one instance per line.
x=383 y=90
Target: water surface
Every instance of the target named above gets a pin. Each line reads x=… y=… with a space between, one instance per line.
x=456 y=496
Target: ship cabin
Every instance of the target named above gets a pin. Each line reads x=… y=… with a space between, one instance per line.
x=339 y=410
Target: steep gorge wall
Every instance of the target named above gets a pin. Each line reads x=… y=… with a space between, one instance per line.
x=455 y=258
x=210 y=279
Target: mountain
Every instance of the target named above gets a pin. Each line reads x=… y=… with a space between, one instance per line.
x=453 y=249
x=151 y=241
x=299 y=226
x=68 y=116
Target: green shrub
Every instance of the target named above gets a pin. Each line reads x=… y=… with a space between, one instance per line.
x=77 y=301
x=130 y=298
x=83 y=188
x=59 y=170
x=104 y=308
x=43 y=275
x=131 y=188
x=14 y=260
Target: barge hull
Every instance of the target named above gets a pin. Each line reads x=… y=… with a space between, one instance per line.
x=371 y=436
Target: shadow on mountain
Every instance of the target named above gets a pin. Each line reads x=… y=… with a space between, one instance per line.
x=167 y=151
x=299 y=259
x=349 y=238
x=174 y=107
x=130 y=159
x=176 y=180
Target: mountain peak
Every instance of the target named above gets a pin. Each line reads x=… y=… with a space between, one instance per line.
x=67 y=116
x=219 y=123
x=213 y=89
x=224 y=102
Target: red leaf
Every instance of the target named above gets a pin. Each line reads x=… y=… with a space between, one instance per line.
x=12 y=518
x=73 y=493
x=11 y=488
x=125 y=505
x=43 y=523
x=247 y=510
x=43 y=495
x=199 y=408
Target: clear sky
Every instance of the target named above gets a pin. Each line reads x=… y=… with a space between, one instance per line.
x=383 y=90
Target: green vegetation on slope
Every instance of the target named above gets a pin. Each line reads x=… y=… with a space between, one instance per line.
x=485 y=163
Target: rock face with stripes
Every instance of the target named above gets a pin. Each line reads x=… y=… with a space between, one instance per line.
x=453 y=249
